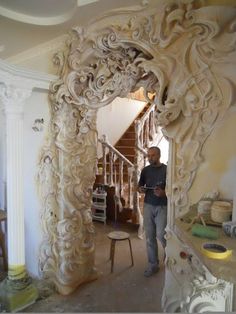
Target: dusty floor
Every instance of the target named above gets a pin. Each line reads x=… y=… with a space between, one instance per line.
x=124 y=290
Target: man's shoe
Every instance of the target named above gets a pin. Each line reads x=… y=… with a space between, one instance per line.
x=151 y=271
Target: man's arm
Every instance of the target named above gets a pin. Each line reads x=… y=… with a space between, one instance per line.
x=141 y=183
x=160 y=188
x=141 y=189
x=158 y=191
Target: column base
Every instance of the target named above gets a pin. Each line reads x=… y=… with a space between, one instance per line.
x=16 y=295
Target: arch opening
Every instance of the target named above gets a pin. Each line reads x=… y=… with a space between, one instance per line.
x=104 y=62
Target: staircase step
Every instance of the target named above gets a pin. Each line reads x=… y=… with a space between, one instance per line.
x=126 y=142
x=126 y=150
x=131 y=128
x=128 y=135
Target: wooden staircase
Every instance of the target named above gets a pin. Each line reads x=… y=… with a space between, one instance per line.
x=126 y=144
x=120 y=166
x=126 y=147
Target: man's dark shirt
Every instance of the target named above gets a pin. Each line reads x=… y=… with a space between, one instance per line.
x=152 y=176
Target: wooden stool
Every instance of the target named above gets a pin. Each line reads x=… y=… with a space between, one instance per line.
x=3 y=217
x=118 y=236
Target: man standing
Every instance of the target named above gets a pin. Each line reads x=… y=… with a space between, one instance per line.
x=152 y=182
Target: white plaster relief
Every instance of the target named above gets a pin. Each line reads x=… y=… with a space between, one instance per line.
x=189 y=286
x=68 y=247
x=175 y=54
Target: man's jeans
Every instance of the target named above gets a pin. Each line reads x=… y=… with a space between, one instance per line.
x=155 y=219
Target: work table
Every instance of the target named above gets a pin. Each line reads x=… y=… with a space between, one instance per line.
x=221 y=268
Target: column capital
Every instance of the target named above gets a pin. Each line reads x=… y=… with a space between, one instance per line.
x=13 y=98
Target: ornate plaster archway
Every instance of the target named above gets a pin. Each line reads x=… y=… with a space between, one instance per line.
x=173 y=46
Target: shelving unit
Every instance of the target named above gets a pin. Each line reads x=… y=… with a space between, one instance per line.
x=99 y=206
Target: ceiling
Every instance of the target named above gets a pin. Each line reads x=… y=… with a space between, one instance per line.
x=40 y=13
x=25 y=24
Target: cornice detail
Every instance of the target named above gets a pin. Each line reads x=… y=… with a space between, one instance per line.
x=17 y=76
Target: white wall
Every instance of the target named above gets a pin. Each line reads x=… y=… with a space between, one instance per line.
x=35 y=108
x=219 y=162
x=164 y=147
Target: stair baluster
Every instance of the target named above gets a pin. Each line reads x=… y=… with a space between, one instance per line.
x=104 y=164
x=111 y=177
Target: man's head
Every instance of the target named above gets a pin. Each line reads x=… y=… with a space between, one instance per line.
x=154 y=155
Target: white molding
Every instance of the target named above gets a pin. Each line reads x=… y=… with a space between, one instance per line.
x=17 y=76
x=51 y=45
x=38 y=20
x=80 y=3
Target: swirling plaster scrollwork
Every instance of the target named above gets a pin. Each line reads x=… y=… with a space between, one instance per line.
x=189 y=64
x=67 y=168
x=173 y=49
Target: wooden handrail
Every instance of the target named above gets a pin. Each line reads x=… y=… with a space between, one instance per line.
x=147 y=113
x=104 y=141
x=143 y=151
x=140 y=124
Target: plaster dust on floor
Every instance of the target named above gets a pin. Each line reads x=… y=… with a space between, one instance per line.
x=124 y=290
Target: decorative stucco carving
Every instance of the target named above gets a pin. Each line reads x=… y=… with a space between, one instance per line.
x=67 y=168
x=176 y=49
x=189 y=285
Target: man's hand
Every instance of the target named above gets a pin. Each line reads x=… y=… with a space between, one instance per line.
x=141 y=189
x=158 y=191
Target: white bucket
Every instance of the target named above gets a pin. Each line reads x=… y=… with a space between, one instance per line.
x=221 y=211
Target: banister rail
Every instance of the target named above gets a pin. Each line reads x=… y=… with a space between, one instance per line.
x=145 y=129
x=104 y=141
x=115 y=175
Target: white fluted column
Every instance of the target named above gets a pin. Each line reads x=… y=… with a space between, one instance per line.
x=17 y=291
x=13 y=100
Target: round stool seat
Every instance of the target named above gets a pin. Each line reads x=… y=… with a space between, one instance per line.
x=118 y=235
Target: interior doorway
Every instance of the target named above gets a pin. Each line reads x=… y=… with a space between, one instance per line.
x=116 y=65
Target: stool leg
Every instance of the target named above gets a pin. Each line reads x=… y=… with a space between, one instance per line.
x=4 y=254
x=131 y=253
x=112 y=254
x=5 y=266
